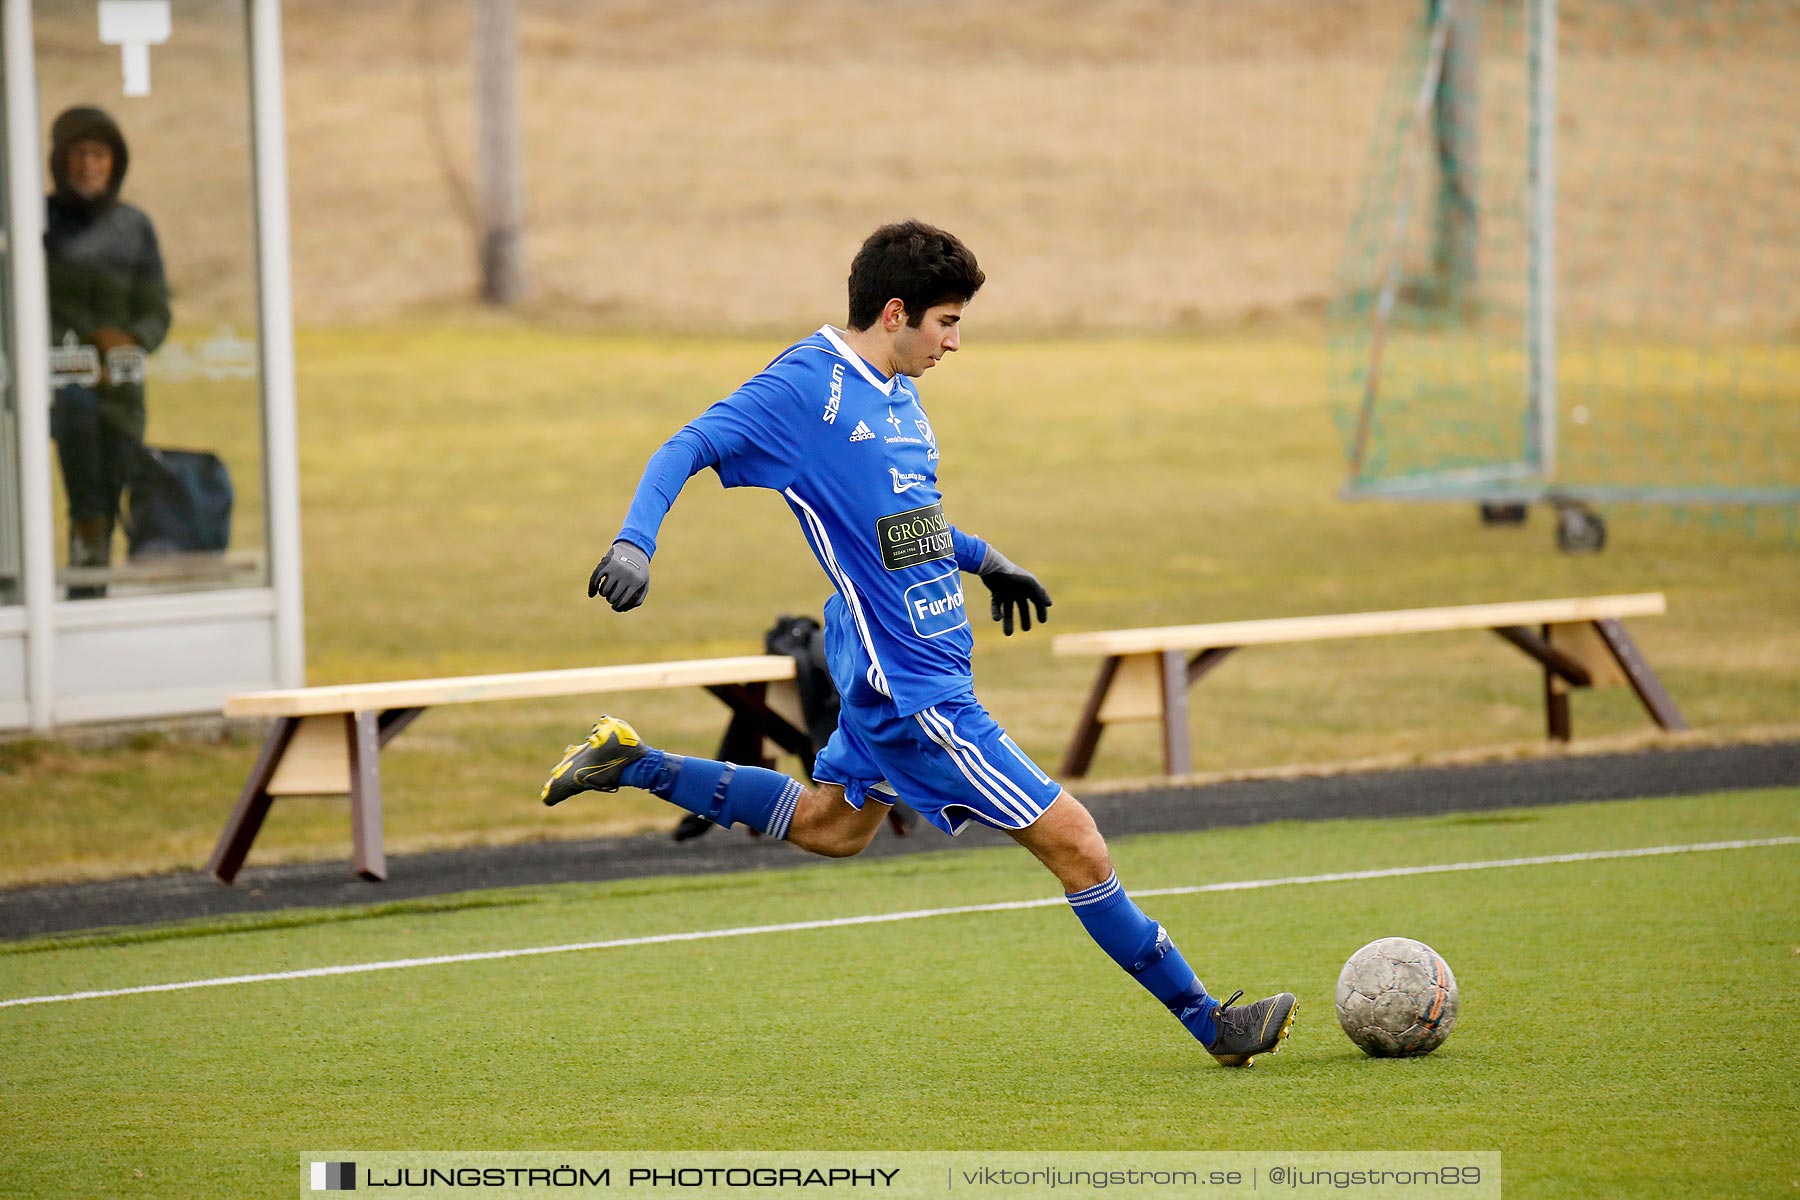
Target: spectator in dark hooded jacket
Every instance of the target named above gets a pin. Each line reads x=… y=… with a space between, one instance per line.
x=107 y=291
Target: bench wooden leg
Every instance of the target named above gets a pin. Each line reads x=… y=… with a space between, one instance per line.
x=1154 y=688
x=253 y=804
x=1539 y=647
x=1202 y=664
x=1089 y=728
x=1585 y=654
x=394 y=722
x=743 y=741
x=1561 y=672
x=1557 y=725
x=362 y=731
x=306 y=756
x=1643 y=680
x=1178 y=752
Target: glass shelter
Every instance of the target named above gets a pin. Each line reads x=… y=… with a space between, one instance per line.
x=149 y=508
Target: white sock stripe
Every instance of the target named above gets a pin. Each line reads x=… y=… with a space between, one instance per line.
x=980 y=763
x=1088 y=891
x=985 y=787
x=887 y=918
x=1110 y=890
x=1098 y=891
x=847 y=589
x=773 y=828
x=783 y=815
x=793 y=806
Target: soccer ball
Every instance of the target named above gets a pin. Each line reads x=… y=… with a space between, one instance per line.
x=1396 y=998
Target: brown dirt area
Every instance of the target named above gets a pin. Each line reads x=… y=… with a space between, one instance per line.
x=1118 y=164
x=714 y=164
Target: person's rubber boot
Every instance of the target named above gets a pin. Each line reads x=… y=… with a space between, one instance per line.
x=90 y=545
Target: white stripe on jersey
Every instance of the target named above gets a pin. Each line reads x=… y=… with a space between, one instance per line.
x=856 y=360
x=796 y=348
x=877 y=677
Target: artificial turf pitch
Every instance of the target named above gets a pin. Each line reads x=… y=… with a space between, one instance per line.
x=1624 y=1023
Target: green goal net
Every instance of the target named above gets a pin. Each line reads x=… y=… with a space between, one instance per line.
x=1574 y=274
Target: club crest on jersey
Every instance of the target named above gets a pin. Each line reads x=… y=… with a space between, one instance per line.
x=862 y=432
x=836 y=398
x=930 y=438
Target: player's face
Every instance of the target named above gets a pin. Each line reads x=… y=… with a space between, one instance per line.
x=90 y=168
x=938 y=334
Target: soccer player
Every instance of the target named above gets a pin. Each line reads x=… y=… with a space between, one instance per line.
x=835 y=425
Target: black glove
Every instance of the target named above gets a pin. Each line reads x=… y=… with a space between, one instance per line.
x=623 y=577
x=1013 y=587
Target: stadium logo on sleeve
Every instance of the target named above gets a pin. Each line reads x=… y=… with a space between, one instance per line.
x=333 y=1177
x=935 y=607
x=918 y=535
x=833 y=401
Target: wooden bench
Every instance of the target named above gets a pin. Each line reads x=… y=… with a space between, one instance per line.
x=1146 y=673
x=326 y=741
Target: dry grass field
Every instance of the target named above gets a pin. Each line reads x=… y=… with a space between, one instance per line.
x=454 y=508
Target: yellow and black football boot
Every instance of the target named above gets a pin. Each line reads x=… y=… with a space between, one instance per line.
x=595 y=763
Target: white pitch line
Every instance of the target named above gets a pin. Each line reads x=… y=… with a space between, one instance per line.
x=1243 y=885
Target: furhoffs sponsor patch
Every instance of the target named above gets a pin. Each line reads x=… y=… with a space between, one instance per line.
x=936 y=606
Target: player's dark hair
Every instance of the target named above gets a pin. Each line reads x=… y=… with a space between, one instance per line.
x=919 y=263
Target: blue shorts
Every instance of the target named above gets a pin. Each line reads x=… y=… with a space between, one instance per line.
x=952 y=762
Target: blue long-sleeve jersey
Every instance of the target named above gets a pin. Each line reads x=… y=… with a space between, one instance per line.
x=855 y=457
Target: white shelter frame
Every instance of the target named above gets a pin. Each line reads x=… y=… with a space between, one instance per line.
x=133 y=657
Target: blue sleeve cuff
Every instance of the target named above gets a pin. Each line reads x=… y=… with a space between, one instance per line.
x=669 y=469
x=971 y=551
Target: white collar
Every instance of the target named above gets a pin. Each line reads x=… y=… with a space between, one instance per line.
x=885 y=386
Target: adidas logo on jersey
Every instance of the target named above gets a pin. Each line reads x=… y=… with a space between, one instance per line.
x=862 y=432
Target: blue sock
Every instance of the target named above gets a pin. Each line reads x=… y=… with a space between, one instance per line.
x=1143 y=949
x=724 y=793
